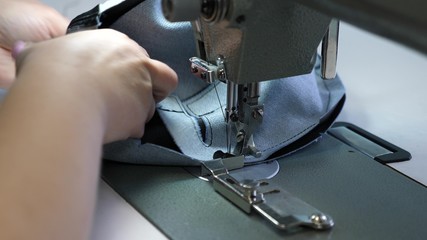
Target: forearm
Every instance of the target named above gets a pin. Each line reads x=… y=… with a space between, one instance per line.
x=51 y=133
x=71 y=95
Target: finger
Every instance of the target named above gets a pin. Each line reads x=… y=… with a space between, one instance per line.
x=36 y=23
x=18 y=47
x=163 y=78
x=57 y=23
x=7 y=68
x=7 y=63
x=18 y=52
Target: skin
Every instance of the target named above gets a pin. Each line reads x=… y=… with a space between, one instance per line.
x=70 y=95
x=25 y=20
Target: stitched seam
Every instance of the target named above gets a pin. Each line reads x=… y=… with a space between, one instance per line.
x=209 y=125
x=289 y=139
x=303 y=131
x=191 y=101
x=195 y=125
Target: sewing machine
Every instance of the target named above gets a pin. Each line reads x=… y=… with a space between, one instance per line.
x=231 y=50
x=242 y=43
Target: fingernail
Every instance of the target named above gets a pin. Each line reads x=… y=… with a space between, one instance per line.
x=18 y=47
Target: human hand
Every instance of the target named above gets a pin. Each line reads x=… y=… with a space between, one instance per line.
x=71 y=95
x=25 y=20
x=101 y=70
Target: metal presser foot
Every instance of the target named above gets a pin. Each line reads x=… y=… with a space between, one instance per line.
x=243 y=111
x=279 y=207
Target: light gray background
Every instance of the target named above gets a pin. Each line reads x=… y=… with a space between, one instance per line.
x=386 y=85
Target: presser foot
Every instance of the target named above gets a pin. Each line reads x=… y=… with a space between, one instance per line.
x=278 y=206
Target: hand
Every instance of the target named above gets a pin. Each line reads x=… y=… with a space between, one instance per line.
x=111 y=67
x=71 y=94
x=25 y=20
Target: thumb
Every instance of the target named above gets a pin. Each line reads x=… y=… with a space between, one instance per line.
x=18 y=52
x=18 y=48
x=7 y=63
x=7 y=68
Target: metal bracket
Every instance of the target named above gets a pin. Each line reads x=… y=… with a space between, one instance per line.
x=330 y=51
x=207 y=71
x=368 y=144
x=279 y=207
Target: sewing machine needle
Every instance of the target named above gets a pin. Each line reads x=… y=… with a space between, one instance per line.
x=230 y=110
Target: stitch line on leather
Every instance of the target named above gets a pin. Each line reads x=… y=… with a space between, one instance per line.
x=289 y=139
x=202 y=94
x=185 y=108
x=206 y=142
x=204 y=127
x=208 y=139
x=203 y=114
x=169 y=110
x=194 y=119
x=196 y=127
x=192 y=113
x=311 y=126
x=176 y=99
x=209 y=132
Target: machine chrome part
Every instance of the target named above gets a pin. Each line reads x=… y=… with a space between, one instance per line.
x=211 y=11
x=203 y=69
x=231 y=111
x=248 y=33
x=207 y=71
x=242 y=111
x=330 y=51
x=250 y=40
x=279 y=207
x=250 y=115
x=214 y=11
x=181 y=10
x=232 y=100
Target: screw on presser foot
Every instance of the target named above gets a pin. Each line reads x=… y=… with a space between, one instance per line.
x=321 y=221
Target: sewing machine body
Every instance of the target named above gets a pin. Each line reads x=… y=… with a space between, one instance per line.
x=243 y=43
x=257 y=43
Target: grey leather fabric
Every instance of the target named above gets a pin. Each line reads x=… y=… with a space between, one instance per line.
x=292 y=106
